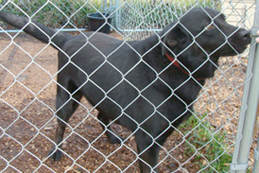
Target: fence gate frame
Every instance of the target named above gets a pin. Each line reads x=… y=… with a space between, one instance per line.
x=247 y=116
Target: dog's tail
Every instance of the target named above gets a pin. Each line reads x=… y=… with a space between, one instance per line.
x=35 y=29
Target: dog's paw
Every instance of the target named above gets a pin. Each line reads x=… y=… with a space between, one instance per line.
x=55 y=155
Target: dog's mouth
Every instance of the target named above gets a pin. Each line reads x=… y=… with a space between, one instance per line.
x=232 y=50
x=237 y=43
x=241 y=50
x=213 y=63
x=240 y=41
x=235 y=51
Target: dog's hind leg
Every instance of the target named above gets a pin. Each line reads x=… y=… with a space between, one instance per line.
x=66 y=105
x=113 y=138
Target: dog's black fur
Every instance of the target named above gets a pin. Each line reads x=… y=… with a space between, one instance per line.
x=134 y=82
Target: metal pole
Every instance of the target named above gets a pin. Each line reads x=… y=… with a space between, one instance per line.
x=117 y=15
x=256 y=158
x=104 y=6
x=249 y=106
x=256 y=152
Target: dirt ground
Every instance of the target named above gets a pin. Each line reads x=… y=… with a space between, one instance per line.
x=28 y=70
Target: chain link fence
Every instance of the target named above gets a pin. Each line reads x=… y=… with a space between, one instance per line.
x=209 y=141
x=138 y=19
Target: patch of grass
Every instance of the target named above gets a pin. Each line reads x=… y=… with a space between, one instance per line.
x=207 y=145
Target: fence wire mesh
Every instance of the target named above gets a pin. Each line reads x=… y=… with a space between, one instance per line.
x=29 y=71
x=141 y=16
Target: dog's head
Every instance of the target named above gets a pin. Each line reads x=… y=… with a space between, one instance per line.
x=200 y=37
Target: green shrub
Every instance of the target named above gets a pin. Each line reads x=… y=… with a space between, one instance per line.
x=58 y=13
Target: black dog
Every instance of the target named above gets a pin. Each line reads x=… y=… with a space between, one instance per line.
x=148 y=86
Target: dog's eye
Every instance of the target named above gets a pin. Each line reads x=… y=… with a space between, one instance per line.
x=209 y=26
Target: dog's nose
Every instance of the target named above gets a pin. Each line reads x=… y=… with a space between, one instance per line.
x=245 y=35
x=241 y=37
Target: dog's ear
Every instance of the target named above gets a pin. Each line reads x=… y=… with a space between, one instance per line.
x=177 y=36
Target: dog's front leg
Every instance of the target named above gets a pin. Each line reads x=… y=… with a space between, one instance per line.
x=148 y=153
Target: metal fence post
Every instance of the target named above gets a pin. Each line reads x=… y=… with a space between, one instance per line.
x=256 y=158
x=249 y=106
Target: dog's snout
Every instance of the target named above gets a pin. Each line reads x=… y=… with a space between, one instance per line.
x=245 y=35
x=241 y=37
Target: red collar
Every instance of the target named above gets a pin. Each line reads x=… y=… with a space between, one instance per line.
x=177 y=65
